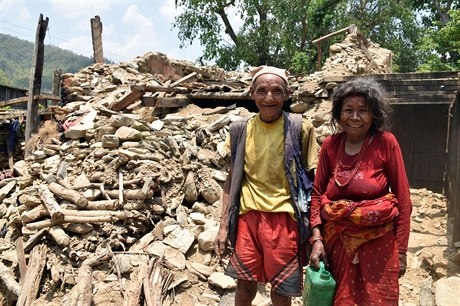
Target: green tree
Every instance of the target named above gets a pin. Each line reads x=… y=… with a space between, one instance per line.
x=441 y=45
x=280 y=32
x=272 y=32
x=441 y=37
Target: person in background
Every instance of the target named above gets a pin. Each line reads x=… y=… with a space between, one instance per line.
x=258 y=209
x=361 y=206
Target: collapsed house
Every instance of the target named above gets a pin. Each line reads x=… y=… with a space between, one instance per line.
x=118 y=199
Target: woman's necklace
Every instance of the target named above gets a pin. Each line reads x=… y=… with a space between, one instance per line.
x=362 y=152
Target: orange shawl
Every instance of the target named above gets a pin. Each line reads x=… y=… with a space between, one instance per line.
x=355 y=223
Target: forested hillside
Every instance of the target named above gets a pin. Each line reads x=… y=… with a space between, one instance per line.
x=16 y=62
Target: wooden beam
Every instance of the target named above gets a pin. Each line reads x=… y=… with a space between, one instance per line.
x=325 y=37
x=219 y=96
x=35 y=81
x=427 y=101
x=96 y=35
x=20 y=100
x=185 y=78
x=128 y=99
x=23 y=113
x=368 y=55
x=166 y=102
x=149 y=88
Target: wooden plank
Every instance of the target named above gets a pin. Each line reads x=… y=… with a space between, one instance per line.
x=416 y=87
x=20 y=100
x=415 y=75
x=19 y=244
x=35 y=81
x=219 y=96
x=200 y=71
x=166 y=102
x=418 y=82
x=325 y=37
x=185 y=78
x=419 y=101
x=23 y=113
x=424 y=95
x=129 y=98
x=34 y=273
x=149 y=88
x=445 y=77
x=368 y=55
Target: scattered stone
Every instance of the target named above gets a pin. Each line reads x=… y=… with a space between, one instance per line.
x=128 y=134
x=222 y=281
x=206 y=239
x=110 y=141
x=447 y=290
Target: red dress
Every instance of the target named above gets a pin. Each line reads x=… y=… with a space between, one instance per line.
x=374 y=279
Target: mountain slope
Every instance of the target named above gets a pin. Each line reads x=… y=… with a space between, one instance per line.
x=16 y=62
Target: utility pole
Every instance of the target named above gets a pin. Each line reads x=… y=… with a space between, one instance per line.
x=96 y=34
x=35 y=81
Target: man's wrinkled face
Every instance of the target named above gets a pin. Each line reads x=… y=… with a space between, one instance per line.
x=269 y=91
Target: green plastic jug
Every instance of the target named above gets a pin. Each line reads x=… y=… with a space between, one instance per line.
x=319 y=287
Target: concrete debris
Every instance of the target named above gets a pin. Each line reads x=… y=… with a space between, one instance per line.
x=130 y=196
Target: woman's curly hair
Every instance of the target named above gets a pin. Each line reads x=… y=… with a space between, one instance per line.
x=374 y=95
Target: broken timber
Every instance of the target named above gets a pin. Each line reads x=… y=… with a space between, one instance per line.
x=31 y=282
x=136 y=92
x=20 y=100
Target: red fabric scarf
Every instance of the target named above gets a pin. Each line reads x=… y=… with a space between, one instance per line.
x=355 y=223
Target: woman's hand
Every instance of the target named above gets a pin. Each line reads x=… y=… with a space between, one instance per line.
x=318 y=253
x=402 y=264
x=220 y=242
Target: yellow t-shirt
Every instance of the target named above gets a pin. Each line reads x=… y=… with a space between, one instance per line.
x=265 y=186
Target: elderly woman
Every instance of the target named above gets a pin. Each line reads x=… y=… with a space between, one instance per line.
x=360 y=213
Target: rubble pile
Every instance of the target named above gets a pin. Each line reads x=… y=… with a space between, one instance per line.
x=357 y=55
x=123 y=189
x=124 y=205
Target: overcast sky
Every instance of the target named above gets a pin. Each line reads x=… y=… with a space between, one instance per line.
x=130 y=28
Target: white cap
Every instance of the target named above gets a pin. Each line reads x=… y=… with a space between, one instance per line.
x=257 y=72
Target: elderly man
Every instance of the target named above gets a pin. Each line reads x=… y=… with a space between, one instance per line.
x=272 y=154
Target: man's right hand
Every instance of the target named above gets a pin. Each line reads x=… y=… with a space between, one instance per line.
x=220 y=242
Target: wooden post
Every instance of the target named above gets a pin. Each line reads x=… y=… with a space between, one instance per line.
x=96 y=34
x=318 y=63
x=453 y=168
x=35 y=82
x=57 y=82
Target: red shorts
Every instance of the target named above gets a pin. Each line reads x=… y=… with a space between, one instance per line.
x=267 y=250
